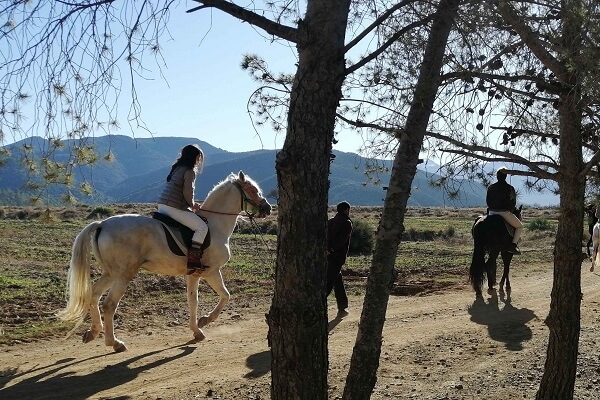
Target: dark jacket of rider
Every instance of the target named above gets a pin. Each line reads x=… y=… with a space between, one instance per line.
x=501 y=196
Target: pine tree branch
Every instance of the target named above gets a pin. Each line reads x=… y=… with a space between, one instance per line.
x=536 y=167
x=531 y=39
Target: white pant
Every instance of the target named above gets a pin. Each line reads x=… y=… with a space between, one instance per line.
x=512 y=220
x=187 y=218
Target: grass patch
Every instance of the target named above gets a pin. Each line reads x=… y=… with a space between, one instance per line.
x=540 y=224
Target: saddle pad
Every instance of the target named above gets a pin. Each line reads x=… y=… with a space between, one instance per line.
x=179 y=236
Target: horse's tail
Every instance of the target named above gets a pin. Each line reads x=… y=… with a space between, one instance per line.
x=477 y=270
x=79 y=282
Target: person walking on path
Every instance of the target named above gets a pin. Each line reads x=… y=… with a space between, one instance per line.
x=339 y=230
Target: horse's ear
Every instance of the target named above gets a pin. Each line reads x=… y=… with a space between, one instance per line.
x=521 y=207
x=241 y=176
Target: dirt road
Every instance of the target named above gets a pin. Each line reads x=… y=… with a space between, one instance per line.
x=439 y=346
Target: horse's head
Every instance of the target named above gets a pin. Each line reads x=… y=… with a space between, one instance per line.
x=253 y=201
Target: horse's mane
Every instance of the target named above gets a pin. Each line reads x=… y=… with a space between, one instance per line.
x=233 y=178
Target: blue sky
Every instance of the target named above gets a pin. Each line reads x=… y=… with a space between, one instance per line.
x=204 y=92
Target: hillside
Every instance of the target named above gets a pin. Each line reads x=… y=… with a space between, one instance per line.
x=137 y=173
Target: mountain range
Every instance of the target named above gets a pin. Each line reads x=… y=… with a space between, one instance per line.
x=138 y=167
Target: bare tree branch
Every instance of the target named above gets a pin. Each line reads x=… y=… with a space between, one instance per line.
x=388 y=43
x=376 y=23
x=244 y=15
x=591 y=164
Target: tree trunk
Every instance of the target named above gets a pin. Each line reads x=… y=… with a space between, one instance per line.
x=558 y=381
x=298 y=315
x=362 y=376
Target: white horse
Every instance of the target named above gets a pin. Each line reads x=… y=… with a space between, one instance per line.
x=124 y=244
x=595 y=258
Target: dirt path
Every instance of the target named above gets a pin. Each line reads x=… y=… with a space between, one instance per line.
x=440 y=346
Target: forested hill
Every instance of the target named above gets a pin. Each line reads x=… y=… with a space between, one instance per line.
x=138 y=170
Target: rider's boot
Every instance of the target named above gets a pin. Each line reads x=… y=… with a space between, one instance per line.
x=512 y=248
x=194 y=262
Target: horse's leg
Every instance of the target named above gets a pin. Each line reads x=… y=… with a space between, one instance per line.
x=109 y=306
x=506 y=259
x=192 y=299
x=490 y=269
x=215 y=281
x=97 y=290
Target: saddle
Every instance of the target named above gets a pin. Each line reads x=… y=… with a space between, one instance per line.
x=179 y=236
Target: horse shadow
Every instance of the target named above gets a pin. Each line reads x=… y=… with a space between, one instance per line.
x=64 y=385
x=507 y=325
x=259 y=363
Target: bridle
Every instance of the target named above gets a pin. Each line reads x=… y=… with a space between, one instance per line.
x=245 y=198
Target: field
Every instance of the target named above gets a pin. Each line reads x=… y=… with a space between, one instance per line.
x=36 y=245
x=432 y=266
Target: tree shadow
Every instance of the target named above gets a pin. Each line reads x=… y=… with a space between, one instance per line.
x=68 y=386
x=259 y=363
x=507 y=325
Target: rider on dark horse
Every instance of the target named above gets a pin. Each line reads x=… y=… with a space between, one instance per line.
x=502 y=199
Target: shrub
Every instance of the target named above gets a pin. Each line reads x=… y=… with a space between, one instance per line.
x=100 y=212
x=22 y=214
x=413 y=235
x=362 y=239
x=268 y=227
x=450 y=231
x=539 y=224
x=47 y=216
x=69 y=215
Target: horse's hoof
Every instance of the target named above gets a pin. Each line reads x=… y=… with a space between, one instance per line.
x=199 y=336
x=119 y=346
x=592 y=269
x=88 y=336
x=203 y=321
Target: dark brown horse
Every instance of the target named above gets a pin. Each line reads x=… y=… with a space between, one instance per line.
x=491 y=235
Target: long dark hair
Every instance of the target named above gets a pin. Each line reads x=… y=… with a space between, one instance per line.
x=188 y=157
